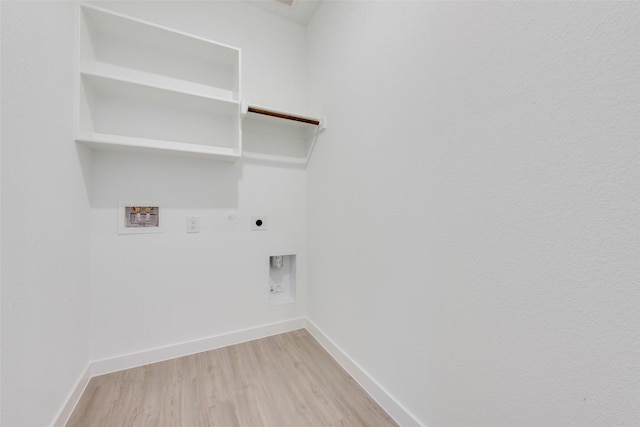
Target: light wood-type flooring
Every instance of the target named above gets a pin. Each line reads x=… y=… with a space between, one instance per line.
x=280 y=381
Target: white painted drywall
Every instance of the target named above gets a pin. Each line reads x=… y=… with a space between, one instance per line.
x=157 y=290
x=472 y=209
x=474 y=206
x=45 y=216
x=0 y=218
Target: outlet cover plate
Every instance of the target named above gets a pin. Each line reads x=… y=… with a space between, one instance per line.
x=193 y=224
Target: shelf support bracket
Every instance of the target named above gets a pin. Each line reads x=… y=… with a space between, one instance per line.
x=322 y=125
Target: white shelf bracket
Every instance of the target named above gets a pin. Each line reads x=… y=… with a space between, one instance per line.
x=244 y=108
x=321 y=128
x=323 y=125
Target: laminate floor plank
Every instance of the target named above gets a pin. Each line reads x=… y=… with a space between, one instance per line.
x=286 y=380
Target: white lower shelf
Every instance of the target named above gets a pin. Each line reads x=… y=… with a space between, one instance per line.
x=286 y=160
x=115 y=142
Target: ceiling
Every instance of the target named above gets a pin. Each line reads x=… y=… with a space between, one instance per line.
x=300 y=11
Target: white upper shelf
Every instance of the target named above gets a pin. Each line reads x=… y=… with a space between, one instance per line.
x=142 y=86
x=145 y=87
x=115 y=44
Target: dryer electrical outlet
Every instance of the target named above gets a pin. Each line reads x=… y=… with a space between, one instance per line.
x=258 y=223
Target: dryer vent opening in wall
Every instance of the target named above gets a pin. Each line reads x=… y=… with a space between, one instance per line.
x=282 y=279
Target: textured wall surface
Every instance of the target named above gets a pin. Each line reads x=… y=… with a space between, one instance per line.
x=45 y=221
x=155 y=290
x=471 y=212
x=474 y=206
x=73 y=290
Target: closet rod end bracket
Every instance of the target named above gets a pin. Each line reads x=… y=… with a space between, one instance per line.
x=244 y=108
x=322 y=125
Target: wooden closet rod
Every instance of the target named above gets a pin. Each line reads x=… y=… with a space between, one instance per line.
x=283 y=116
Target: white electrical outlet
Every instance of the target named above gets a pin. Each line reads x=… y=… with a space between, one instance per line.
x=193 y=224
x=258 y=223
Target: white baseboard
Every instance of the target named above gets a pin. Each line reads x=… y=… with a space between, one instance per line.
x=398 y=412
x=99 y=367
x=159 y=354
x=72 y=399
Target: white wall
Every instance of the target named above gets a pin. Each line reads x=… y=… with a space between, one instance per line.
x=473 y=206
x=151 y=291
x=73 y=290
x=0 y=221
x=471 y=210
x=45 y=221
